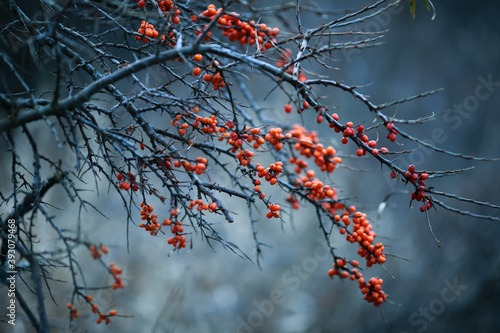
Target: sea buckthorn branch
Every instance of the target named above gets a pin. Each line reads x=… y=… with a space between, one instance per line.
x=344 y=21
x=210 y=127
x=155 y=137
x=409 y=99
x=257 y=167
x=32 y=202
x=213 y=234
x=386 y=120
x=372 y=289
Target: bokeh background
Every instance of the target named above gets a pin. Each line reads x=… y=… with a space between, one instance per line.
x=453 y=288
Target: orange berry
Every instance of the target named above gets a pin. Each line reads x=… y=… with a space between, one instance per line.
x=112 y=313
x=198 y=57
x=274 y=207
x=175 y=20
x=196 y=71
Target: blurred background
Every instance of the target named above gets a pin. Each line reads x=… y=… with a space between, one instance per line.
x=434 y=289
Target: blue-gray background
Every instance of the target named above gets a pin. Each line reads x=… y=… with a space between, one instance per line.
x=203 y=291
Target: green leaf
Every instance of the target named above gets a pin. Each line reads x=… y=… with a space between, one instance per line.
x=430 y=6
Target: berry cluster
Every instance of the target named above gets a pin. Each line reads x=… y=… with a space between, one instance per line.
x=179 y=240
x=166 y=6
x=392 y=135
x=197 y=167
x=115 y=271
x=236 y=29
x=284 y=60
x=245 y=157
x=274 y=137
x=125 y=185
x=365 y=143
x=292 y=199
x=270 y=174
x=151 y=224
x=362 y=234
x=372 y=289
x=105 y=317
x=73 y=314
x=316 y=190
x=413 y=177
x=274 y=211
x=200 y=206
x=95 y=309
x=147 y=30
x=419 y=194
x=307 y=144
x=95 y=253
x=216 y=80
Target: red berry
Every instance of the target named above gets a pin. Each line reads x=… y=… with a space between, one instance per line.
x=360 y=129
x=141 y=4
x=422 y=208
x=389 y=126
x=392 y=137
x=393 y=174
x=306 y=105
x=411 y=168
x=344 y=140
x=288 y=108
x=119 y=176
x=348 y=132
x=420 y=196
x=360 y=152
x=424 y=176
x=413 y=178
